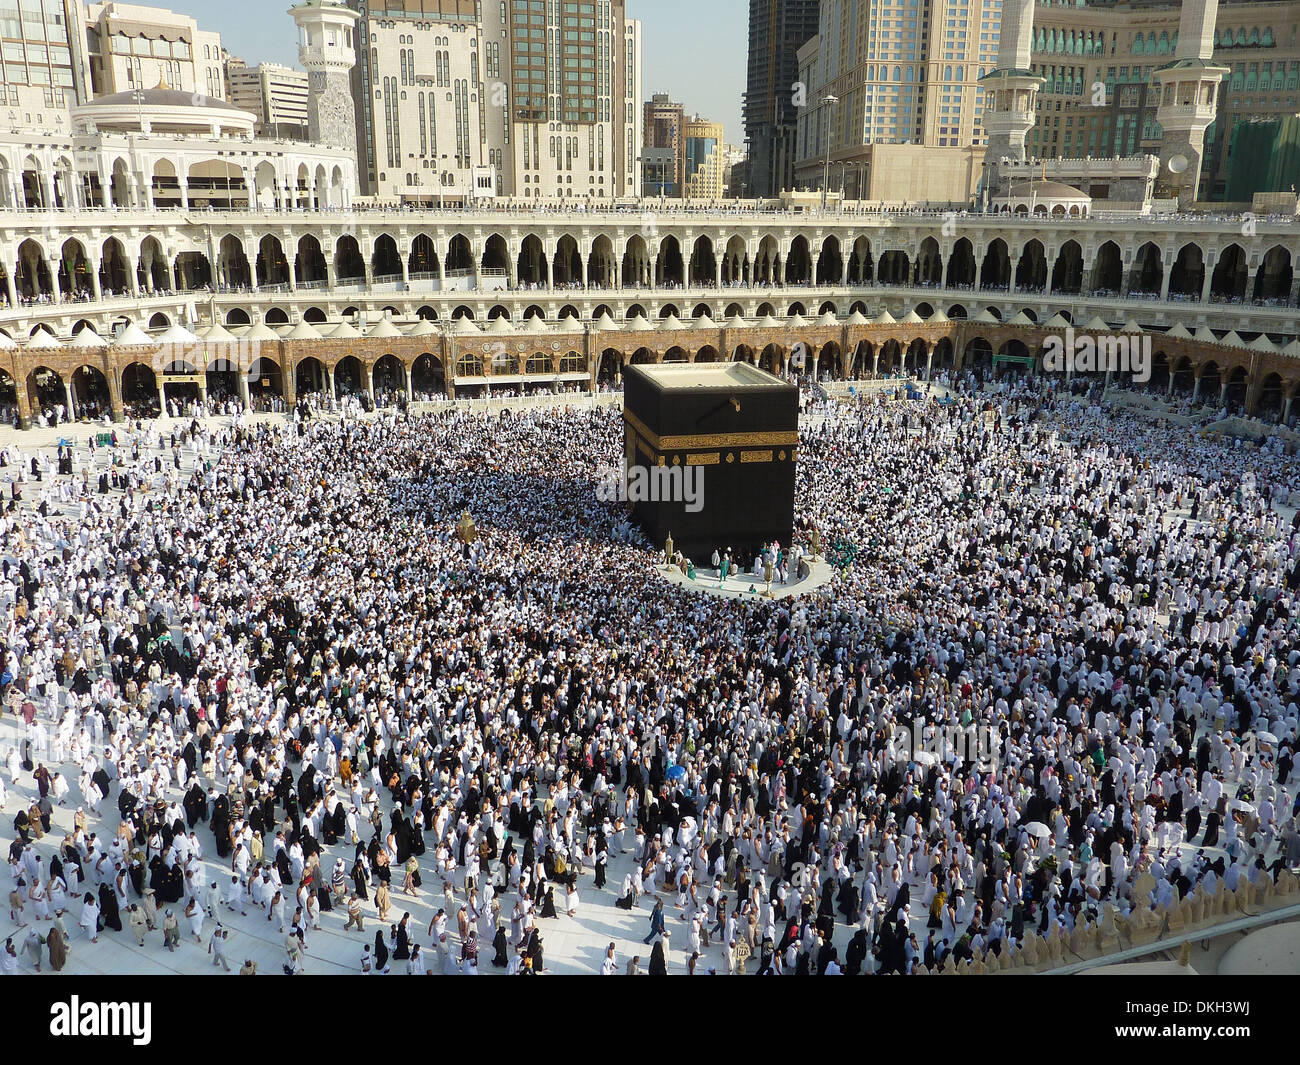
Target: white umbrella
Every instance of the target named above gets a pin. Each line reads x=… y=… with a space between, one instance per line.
x=923 y=758
x=1265 y=737
x=1037 y=829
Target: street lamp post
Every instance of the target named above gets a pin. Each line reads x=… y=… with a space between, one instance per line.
x=826 y=161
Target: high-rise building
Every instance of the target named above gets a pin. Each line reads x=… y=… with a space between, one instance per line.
x=277 y=94
x=702 y=148
x=130 y=46
x=1099 y=65
x=884 y=78
x=663 y=130
x=42 y=47
x=537 y=98
x=777 y=30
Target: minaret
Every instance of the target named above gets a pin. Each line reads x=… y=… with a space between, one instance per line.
x=327 y=48
x=1010 y=91
x=1188 y=96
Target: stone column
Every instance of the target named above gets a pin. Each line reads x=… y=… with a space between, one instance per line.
x=1209 y=278
x=185 y=192
x=1168 y=273
x=289 y=382
x=25 y=406
x=94 y=280
x=162 y=398
x=72 y=406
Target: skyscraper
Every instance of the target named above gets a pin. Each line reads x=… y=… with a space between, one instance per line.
x=41 y=58
x=702 y=150
x=539 y=98
x=664 y=124
x=777 y=30
x=893 y=89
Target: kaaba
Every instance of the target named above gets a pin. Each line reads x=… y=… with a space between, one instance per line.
x=710 y=456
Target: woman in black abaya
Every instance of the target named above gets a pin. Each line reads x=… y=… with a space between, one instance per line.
x=282 y=866
x=381 y=952
x=221 y=827
x=658 y=967
x=136 y=874
x=534 y=950
x=360 y=876
x=173 y=889
x=501 y=958
x=403 y=951
x=1213 y=822
x=108 y=908
x=602 y=857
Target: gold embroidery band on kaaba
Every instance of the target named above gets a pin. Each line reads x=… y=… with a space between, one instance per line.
x=708 y=440
x=704 y=458
x=756 y=456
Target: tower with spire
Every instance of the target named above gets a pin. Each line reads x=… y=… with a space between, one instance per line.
x=1010 y=92
x=1188 y=96
x=327 y=49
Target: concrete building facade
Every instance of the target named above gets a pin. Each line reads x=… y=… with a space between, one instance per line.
x=702 y=152
x=774 y=88
x=277 y=94
x=543 y=97
x=130 y=46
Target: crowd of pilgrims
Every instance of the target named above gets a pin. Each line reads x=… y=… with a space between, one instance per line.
x=288 y=658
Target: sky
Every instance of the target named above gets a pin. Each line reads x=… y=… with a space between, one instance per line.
x=695 y=50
